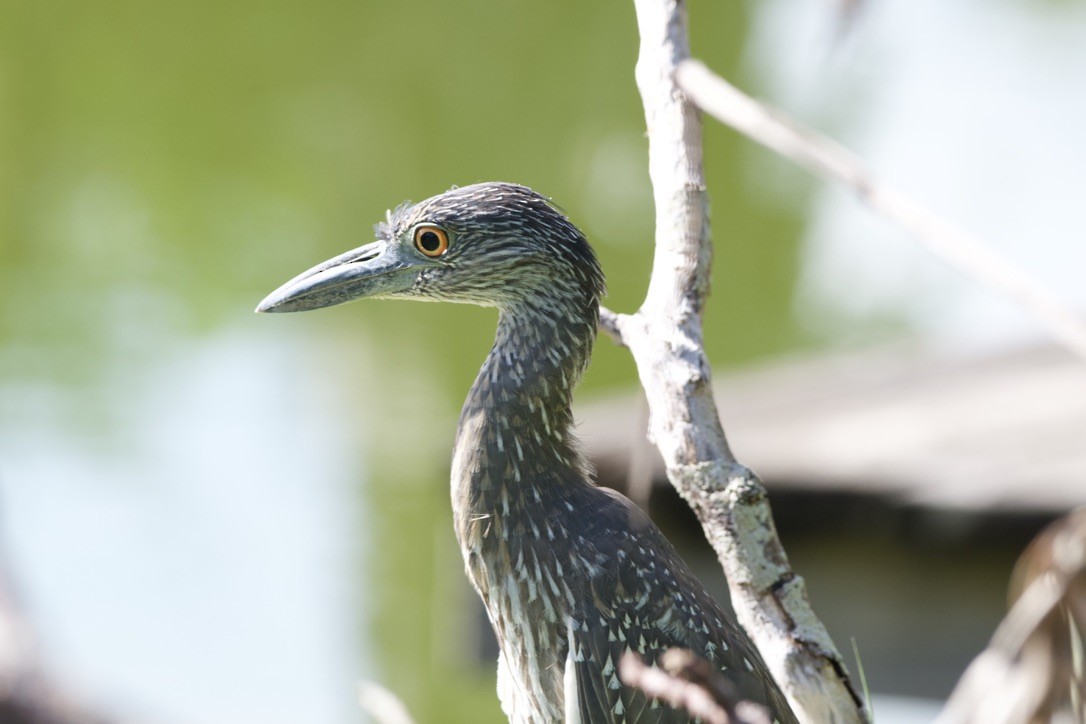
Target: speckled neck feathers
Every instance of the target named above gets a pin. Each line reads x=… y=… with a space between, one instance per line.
x=517 y=474
x=514 y=446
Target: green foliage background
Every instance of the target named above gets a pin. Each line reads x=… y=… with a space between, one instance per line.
x=163 y=165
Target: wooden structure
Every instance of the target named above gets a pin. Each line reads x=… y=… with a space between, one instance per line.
x=1002 y=432
x=905 y=483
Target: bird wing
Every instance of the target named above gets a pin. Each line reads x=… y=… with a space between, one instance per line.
x=592 y=666
x=645 y=600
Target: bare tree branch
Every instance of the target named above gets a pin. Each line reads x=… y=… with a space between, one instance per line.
x=665 y=338
x=382 y=705
x=688 y=682
x=611 y=325
x=29 y=692
x=1031 y=668
x=831 y=161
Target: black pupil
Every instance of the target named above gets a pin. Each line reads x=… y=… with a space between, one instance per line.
x=430 y=241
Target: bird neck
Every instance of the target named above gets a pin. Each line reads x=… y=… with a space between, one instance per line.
x=514 y=443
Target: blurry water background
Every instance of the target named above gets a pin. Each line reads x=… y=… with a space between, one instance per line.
x=217 y=517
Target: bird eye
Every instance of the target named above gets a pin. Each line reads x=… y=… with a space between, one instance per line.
x=433 y=241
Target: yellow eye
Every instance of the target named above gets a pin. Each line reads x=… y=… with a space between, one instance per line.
x=431 y=240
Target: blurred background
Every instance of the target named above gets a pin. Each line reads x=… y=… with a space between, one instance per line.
x=209 y=516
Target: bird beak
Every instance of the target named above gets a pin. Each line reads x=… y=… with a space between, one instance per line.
x=373 y=270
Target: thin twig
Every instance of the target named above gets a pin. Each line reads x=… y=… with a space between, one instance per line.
x=829 y=160
x=611 y=325
x=658 y=684
x=382 y=705
x=688 y=682
x=29 y=690
x=1029 y=669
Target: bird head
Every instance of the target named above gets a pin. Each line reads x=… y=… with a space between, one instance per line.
x=493 y=244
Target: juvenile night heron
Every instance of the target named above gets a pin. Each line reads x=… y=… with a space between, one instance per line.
x=572 y=575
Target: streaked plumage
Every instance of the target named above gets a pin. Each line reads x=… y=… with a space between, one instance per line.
x=572 y=575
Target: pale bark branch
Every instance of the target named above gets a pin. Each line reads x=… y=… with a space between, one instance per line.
x=829 y=160
x=382 y=705
x=29 y=693
x=688 y=682
x=1033 y=666
x=665 y=338
x=611 y=325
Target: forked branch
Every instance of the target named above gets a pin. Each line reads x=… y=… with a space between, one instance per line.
x=829 y=160
x=665 y=338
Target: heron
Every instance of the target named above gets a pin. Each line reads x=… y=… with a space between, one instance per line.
x=573 y=575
